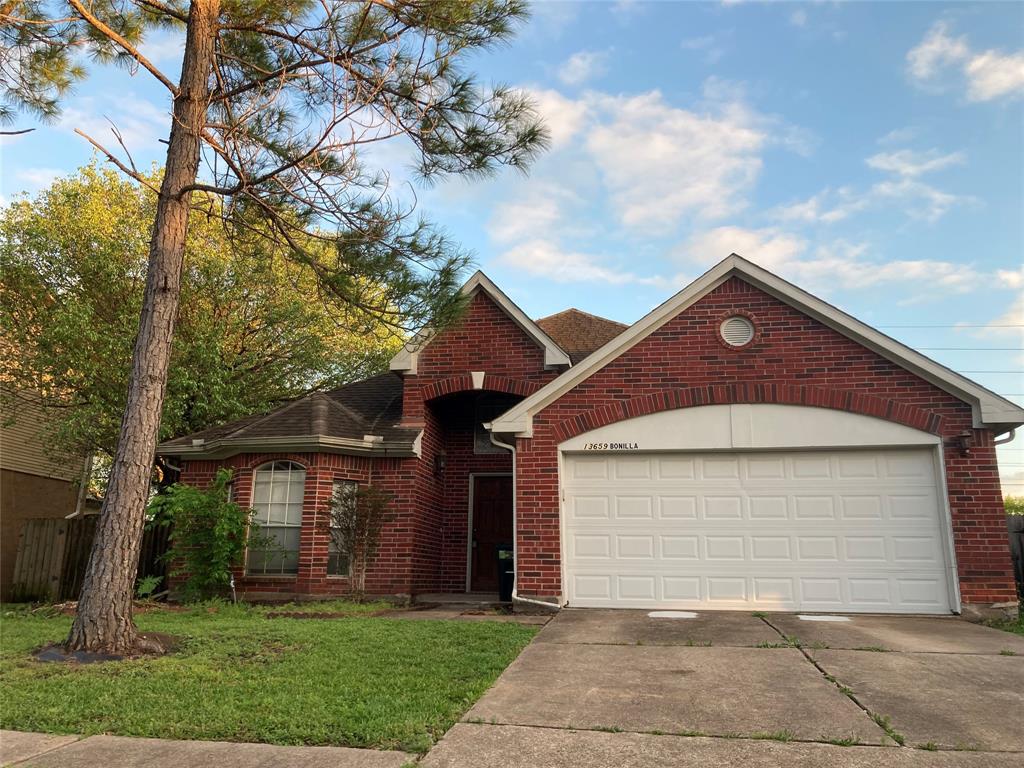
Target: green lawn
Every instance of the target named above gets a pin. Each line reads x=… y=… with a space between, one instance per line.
x=240 y=676
x=1009 y=625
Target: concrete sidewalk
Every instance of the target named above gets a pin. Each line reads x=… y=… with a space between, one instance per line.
x=40 y=750
x=508 y=746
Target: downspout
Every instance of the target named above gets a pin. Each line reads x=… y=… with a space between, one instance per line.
x=515 y=531
x=1009 y=438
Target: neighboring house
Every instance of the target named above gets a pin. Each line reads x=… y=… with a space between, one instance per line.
x=743 y=446
x=34 y=482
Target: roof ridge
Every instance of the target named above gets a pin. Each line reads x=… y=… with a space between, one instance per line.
x=581 y=312
x=344 y=409
x=384 y=410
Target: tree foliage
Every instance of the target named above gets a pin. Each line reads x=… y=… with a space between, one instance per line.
x=208 y=534
x=253 y=328
x=301 y=91
x=273 y=113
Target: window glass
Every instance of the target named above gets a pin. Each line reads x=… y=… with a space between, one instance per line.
x=337 y=561
x=277 y=501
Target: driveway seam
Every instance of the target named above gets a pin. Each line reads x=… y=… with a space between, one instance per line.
x=676 y=734
x=845 y=690
x=721 y=737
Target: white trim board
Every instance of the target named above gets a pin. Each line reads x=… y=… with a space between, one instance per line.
x=554 y=356
x=989 y=409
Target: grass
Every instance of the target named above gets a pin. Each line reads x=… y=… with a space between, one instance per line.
x=241 y=676
x=885 y=724
x=1016 y=626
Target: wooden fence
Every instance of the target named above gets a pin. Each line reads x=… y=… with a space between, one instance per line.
x=53 y=555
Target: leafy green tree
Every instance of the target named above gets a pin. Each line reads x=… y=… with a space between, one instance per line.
x=253 y=328
x=279 y=98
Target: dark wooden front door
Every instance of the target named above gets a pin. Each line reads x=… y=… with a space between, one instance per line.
x=492 y=525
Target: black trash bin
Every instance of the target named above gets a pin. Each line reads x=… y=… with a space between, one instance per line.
x=506 y=572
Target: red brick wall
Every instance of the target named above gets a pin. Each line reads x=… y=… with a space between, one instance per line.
x=424 y=546
x=389 y=574
x=794 y=359
x=484 y=339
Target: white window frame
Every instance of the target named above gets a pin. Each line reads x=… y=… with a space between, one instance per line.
x=262 y=509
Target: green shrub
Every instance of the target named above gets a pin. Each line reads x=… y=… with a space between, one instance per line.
x=1014 y=505
x=208 y=534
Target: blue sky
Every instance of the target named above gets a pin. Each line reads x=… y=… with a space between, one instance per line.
x=873 y=153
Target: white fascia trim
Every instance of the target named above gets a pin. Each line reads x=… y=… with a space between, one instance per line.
x=554 y=356
x=219 y=449
x=988 y=407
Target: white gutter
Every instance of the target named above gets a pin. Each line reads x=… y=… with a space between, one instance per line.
x=1008 y=439
x=515 y=529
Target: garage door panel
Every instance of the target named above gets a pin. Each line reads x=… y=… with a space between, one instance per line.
x=785 y=531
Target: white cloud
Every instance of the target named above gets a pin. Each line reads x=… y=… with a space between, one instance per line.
x=583 y=66
x=992 y=74
x=987 y=74
x=1011 y=278
x=768 y=247
x=625 y=10
x=921 y=201
x=546 y=259
x=563 y=117
x=937 y=51
x=165 y=49
x=540 y=213
x=709 y=45
x=551 y=18
x=899 y=135
x=826 y=267
x=140 y=123
x=825 y=207
x=907 y=163
x=903 y=187
x=660 y=163
x=798 y=18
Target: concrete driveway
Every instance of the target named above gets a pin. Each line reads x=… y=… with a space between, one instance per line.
x=620 y=688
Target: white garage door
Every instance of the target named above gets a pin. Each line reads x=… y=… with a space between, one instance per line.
x=813 y=531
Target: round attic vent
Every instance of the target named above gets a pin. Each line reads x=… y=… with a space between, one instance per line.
x=737 y=331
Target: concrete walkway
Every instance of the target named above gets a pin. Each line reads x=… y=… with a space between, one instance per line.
x=37 y=750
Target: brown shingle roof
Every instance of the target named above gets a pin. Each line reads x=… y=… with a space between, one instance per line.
x=580 y=333
x=369 y=407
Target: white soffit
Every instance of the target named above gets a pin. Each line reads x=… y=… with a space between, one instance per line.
x=988 y=407
x=554 y=356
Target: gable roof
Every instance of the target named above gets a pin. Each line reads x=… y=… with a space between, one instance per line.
x=554 y=356
x=580 y=333
x=357 y=418
x=990 y=410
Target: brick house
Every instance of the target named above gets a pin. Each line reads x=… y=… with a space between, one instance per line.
x=743 y=446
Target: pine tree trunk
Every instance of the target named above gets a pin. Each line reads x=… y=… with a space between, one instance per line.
x=104 y=619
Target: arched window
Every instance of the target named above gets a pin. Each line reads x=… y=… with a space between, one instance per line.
x=277 y=493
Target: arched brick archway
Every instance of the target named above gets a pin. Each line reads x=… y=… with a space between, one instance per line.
x=751 y=393
x=455 y=384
